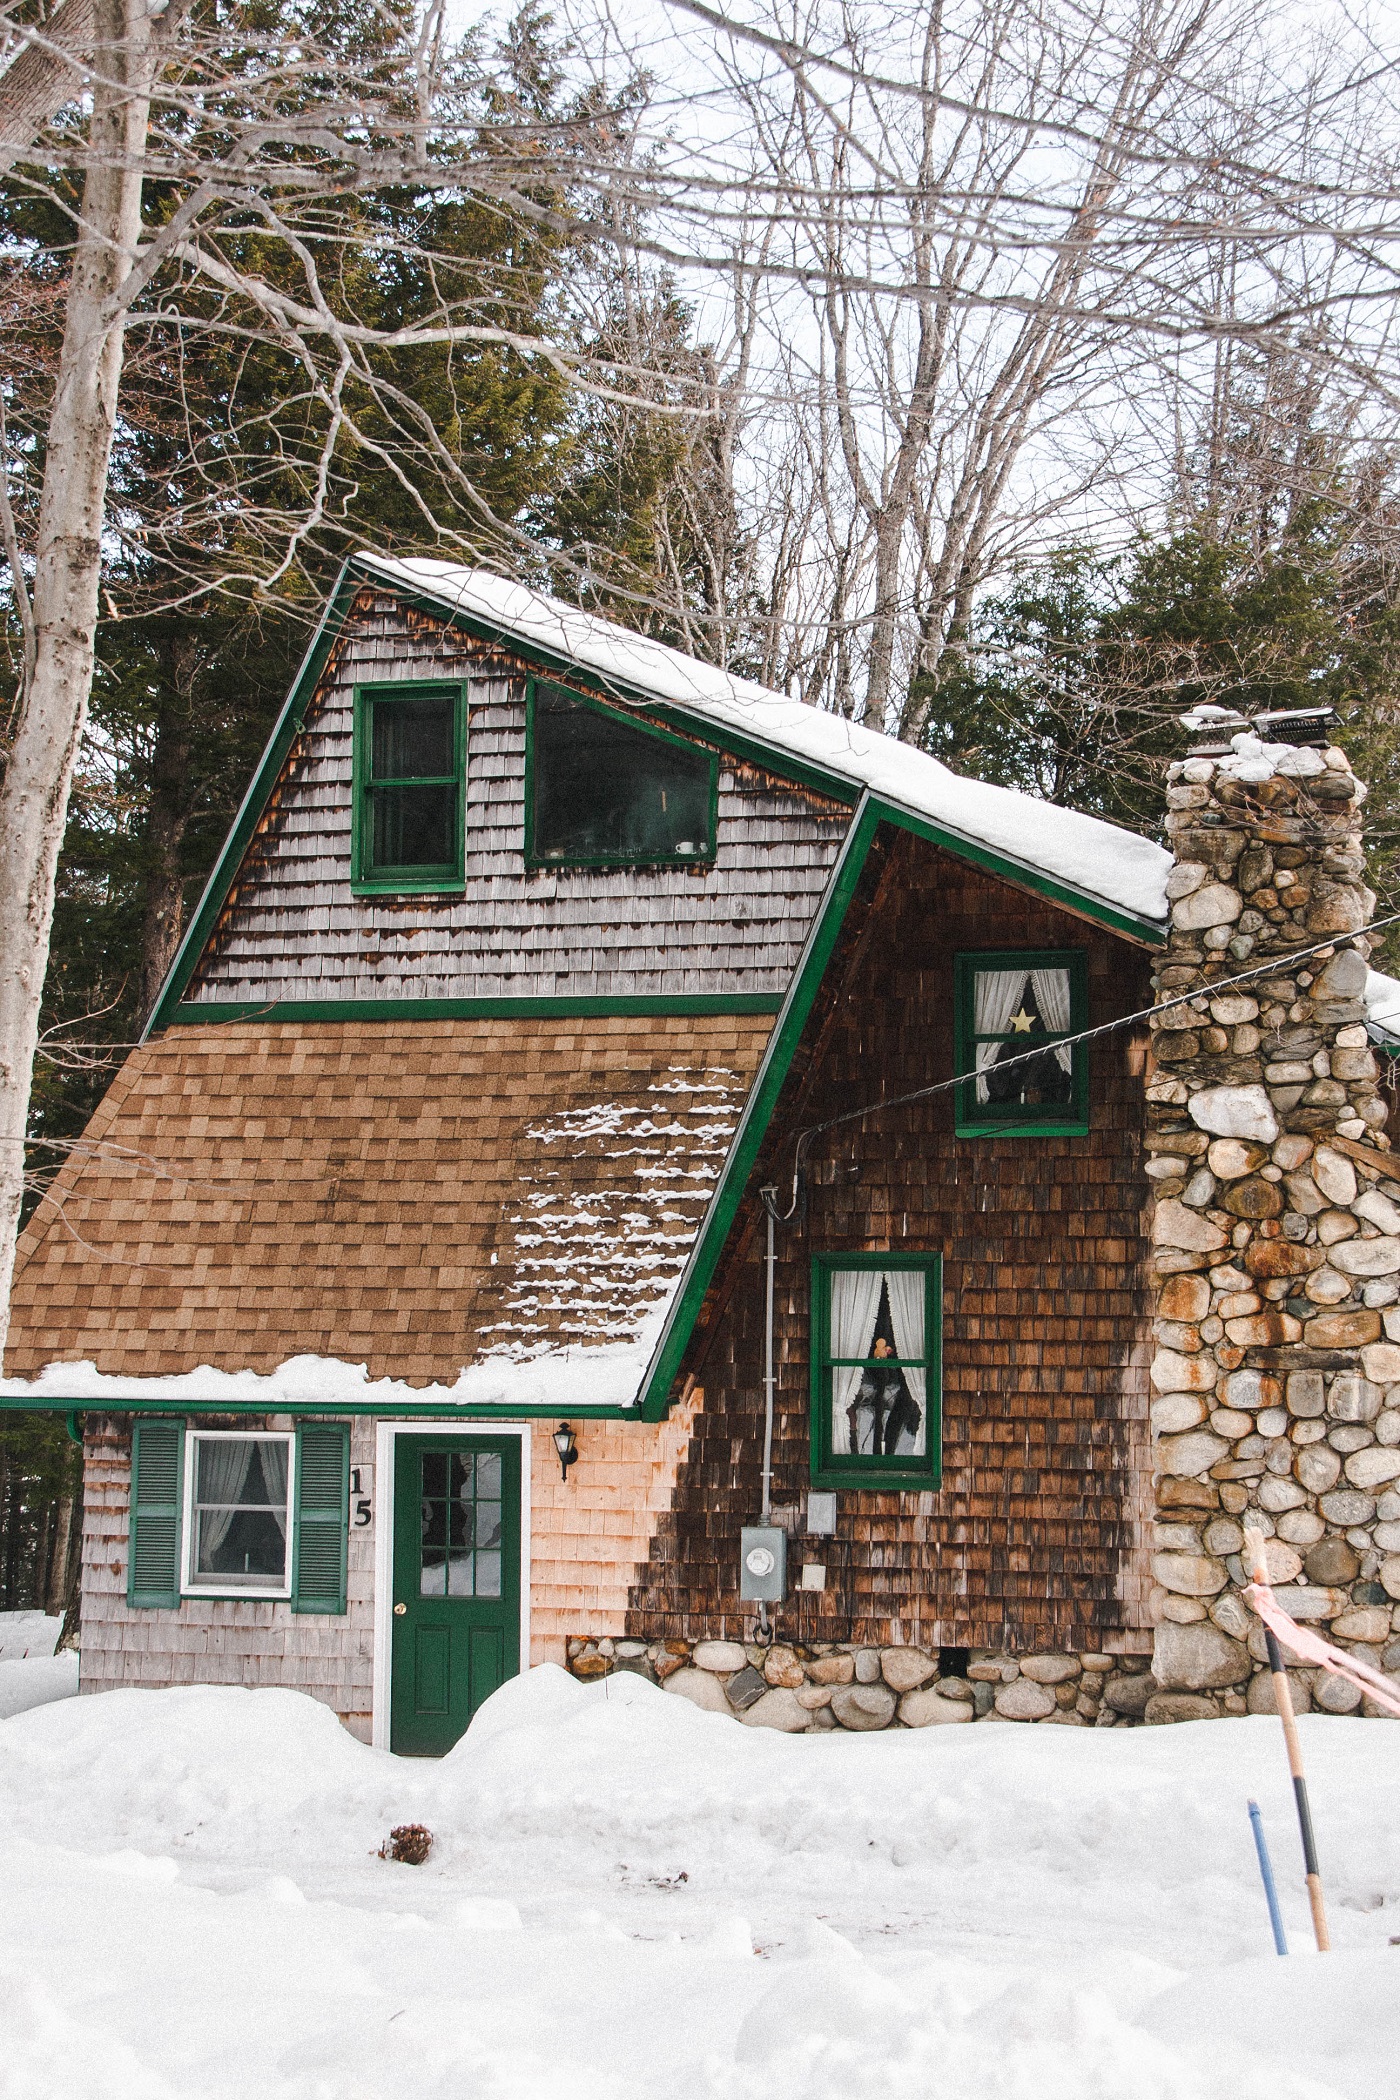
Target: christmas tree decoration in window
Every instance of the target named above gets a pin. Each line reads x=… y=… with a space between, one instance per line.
x=605 y=791
x=875 y=1368
x=1015 y=1014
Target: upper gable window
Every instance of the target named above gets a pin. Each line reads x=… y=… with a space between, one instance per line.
x=603 y=791
x=1013 y=1012
x=410 y=753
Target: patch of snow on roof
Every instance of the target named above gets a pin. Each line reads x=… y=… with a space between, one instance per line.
x=1099 y=859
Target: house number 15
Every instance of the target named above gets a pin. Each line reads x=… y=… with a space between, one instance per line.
x=361 y=1497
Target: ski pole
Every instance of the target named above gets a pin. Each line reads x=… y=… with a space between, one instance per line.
x=1283 y=1699
x=1267 y=1871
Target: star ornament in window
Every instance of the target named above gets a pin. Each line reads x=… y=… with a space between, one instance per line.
x=1022 y=1023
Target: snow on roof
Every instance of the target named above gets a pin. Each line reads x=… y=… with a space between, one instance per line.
x=1097 y=858
x=1382 y=997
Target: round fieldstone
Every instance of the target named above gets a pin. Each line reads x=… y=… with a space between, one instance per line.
x=1050 y=1669
x=723 y=1657
x=905 y=1668
x=780 y=1709
x=929 y=1709
x=863 y=1706
x=1335 y=1695
x=868 y=1666
x=1164 y=1707
x=1374 y=1467
x=783 y=1669
x=1331 y=1562
x=1389 y=1572
x=701 y=1688
x=1347 y=1508
x=1025 y=1701
x=832 y=1669
x=1260 y=1697
x=1194 y=1453
x=1128 y=1695
x=1369 y=1623
x=1190 y=1574
x=1197 y=1658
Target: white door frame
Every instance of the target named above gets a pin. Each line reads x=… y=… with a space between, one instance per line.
x=385 y=1435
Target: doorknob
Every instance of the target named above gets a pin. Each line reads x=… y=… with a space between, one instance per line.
x=400 y=1610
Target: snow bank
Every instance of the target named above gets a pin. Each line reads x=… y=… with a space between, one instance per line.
x=629 y=1898
x=37 y=1681
x=28 y=1633
x=1094 y=857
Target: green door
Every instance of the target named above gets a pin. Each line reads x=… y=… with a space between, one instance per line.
x=456 y=1584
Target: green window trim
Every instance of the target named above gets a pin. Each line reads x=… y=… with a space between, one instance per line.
x=910 y=1473
x=973 y=1118
x=370 y=877
x=320 y=1502
x=535 y=859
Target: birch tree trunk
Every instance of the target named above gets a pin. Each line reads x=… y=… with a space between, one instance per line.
x=67 y=572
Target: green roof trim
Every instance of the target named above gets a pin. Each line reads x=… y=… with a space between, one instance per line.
x=758 y=1113
x=386 y=1410
x=194 y=1013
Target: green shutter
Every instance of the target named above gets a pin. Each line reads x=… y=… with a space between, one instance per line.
x=153 y=1547
x=322 y=1517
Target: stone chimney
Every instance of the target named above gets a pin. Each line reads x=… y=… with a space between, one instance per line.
x=1276 y=1235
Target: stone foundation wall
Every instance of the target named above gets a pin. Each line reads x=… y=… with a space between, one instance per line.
x=1276 y=1231
x=800 y=1688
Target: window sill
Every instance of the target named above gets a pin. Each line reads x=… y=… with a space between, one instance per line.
x=406 y=886
x=697 y=863
x=876 y=1480
x=1014 y=1128
x=242 y=1596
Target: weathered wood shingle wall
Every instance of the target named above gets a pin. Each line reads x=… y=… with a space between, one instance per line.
x=292 y=929
x=1036 y=1536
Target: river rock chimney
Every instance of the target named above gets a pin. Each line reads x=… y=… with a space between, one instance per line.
x=1275 y=1229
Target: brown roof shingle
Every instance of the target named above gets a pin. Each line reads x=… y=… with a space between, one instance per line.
x=408 y=1194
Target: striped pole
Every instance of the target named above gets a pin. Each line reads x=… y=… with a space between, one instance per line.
x=1283 y=1699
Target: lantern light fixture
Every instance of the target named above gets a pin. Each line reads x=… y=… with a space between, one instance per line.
x=566 y=1445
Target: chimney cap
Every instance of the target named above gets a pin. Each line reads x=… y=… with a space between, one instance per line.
x=1297 y=725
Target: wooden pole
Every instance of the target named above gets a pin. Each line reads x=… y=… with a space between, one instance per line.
x=1283 y=1699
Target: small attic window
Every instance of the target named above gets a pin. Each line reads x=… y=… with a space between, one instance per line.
x=409 y=765
x=603 y=791
x=1013 y=1012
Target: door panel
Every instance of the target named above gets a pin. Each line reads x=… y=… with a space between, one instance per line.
x=456 y=1616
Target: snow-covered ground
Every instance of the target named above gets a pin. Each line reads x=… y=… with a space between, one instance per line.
x=30 y=1673
x=630 y=1899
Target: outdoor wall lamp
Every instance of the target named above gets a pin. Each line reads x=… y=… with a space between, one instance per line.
x=566 y=1445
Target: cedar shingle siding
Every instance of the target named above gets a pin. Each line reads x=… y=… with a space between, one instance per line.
x=293 y=930
x=1036 y=1536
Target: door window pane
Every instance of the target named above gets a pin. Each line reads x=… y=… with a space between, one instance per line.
x=608 y=790
x=462 y=1524
x=239 y=1512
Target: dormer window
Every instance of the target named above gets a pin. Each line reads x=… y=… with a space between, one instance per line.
x=409 y=787
x=604 y=791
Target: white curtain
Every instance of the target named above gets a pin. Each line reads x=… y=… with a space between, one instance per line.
x=997 y=996
x=224 y=1466
x=906 y=1289
x=855 y=1307
x=274 y=1464
x=223 y=1469
x=1052 y=997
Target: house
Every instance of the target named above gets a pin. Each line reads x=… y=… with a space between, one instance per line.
x=616 y=1176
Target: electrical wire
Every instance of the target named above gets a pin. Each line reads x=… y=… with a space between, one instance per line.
x=1085 y=1035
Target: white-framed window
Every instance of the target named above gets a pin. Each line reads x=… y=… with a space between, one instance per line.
x=238 y=1513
